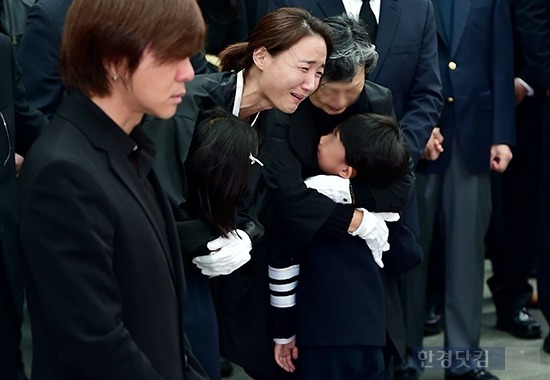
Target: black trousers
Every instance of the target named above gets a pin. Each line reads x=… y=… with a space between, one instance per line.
x=341 y=363
x=9 y=329
x=542 y=266
x=514 y=241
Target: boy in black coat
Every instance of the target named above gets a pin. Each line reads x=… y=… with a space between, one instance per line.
x=337 y=275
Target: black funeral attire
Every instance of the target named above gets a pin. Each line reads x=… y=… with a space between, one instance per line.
x=173 y=138
x=241 y=298
x=103 y=274
x=20 y=125
x=338 y=279
x=343 y=299
x=518 y=235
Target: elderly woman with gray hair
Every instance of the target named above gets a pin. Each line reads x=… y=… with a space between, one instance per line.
x=345 y=306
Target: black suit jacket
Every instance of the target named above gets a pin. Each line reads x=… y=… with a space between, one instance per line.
x=407 y=46
x=22 y=126
x=319 y=9
x=104 y=277
x=478 y=87
x=38 y=54
x=531 y=22
x=19 y=127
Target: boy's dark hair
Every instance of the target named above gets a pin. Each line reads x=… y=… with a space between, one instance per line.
x=218 y=167
x=375 y=148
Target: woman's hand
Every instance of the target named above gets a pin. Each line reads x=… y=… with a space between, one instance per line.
x=226 y=254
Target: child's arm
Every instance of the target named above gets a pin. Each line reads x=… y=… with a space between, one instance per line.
x=335 y=187
x=284 y=353
x=372 y=227
x=284 y=270
x=283 y=285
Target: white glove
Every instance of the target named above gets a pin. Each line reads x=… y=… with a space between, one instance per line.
x=227 y=254
x=332 y=186
x=374 y=231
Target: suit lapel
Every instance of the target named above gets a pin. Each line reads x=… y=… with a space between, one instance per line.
x=331 y=7
x=173 y=250
x=461 y=11
x=439 y=24
x=390 y=12
x=123 y=169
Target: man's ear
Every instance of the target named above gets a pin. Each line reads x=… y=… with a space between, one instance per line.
x=112 y=70
x=118 y=71
x=347 y=172
x=260 y=57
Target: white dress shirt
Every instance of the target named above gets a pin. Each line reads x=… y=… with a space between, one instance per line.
x=354 y=6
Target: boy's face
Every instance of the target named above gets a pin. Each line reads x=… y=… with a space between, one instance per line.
x=331 y=155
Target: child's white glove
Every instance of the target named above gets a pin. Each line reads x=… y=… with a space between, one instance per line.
x=374 y=231
x=335 y=187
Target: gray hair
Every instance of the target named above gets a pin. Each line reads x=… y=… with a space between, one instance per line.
x=352 y=50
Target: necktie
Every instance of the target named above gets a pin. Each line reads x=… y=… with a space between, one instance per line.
x=368 y=17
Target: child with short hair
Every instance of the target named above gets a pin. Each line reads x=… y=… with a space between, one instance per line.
x=366 y=146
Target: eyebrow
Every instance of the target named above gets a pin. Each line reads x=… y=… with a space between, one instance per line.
x=310 y=62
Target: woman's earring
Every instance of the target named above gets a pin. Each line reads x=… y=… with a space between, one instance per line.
x=114 y=78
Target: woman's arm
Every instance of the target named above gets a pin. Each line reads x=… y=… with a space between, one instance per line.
x=303 y=211
x=391 y=198
x=307 y=212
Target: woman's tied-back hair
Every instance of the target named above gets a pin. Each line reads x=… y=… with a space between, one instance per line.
x=218 y=167
x=277 y=31
x=102 y=32
x=352 y=49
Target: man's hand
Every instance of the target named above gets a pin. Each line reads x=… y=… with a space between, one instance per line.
x=434 y=145
x=284 y=353
x=18 y=163
x=501 y=155
x=520 y=91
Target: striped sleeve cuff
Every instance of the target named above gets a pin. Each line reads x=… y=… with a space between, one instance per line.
x=282 y=286
x=284 y=341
